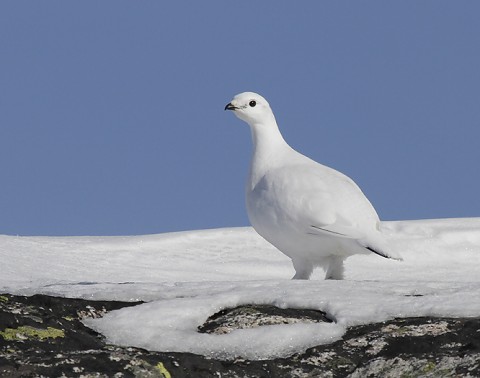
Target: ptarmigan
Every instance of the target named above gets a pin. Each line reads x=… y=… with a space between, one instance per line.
x=314 y=214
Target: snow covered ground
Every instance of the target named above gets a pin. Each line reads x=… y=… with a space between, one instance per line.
x=185 y=277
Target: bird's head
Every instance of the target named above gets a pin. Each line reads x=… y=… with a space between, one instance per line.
x=251 y=108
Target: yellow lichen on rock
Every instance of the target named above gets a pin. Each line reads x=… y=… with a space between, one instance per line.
x=161 y=368
x=26 y=332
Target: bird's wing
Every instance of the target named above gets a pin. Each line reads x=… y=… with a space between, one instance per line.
x=319 y=199
x=339 y=229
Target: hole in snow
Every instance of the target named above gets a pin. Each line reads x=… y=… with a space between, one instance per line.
x=253 y=316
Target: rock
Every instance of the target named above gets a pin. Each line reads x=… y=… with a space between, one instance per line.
x=253 y=316
x=44 y=336
x=411 y=347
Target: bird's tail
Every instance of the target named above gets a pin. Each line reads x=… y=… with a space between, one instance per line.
x=379 y=247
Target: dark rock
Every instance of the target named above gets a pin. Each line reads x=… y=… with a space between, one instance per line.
x=253 y=316
x=411 y=347
x=44 y=336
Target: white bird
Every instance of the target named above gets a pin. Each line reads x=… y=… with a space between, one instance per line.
x=314 y=214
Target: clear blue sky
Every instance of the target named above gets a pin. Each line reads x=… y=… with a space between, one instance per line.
x=112 y=120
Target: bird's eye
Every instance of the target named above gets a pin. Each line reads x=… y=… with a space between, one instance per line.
x=252 y=103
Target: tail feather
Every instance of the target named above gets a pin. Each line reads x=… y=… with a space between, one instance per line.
x=382 y=253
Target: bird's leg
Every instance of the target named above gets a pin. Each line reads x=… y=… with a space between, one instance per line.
x=303 y=269
x=335 y=269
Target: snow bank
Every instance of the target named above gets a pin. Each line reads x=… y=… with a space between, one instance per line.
x=188 y=276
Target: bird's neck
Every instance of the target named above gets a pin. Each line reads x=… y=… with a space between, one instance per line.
x=269 y=148
x=266 y=138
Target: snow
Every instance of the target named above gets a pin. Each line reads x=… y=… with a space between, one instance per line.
x=185 y=277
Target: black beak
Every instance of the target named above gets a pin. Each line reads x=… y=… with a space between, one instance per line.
x=229 y=106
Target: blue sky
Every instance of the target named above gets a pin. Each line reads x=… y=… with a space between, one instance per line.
x=112 y=120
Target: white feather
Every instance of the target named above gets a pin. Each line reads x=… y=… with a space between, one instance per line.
x=314 y=214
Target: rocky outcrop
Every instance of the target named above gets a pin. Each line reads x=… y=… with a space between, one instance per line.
x=44 y=336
